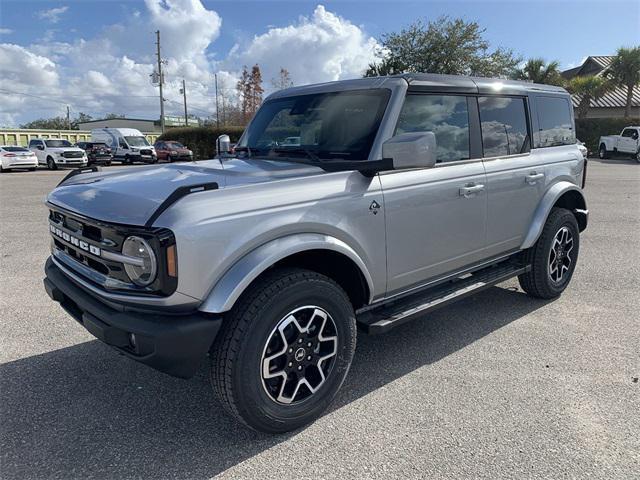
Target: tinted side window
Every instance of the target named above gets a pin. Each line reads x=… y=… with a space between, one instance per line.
x=504 y=126
x=447 y=116
x=628 y=133
x=554 y=115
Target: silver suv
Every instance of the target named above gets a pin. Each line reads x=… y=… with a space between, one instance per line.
x=401 y=194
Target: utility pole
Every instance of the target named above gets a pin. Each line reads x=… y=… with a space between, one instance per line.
x=160 y=81
x=68 y=119
x=184 y=96
x=215 y=76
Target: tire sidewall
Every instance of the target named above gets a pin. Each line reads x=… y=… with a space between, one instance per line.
x=258 y=408
x=569 y=221
x=602 y=153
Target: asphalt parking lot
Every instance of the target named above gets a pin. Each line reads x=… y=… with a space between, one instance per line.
x=496 y=386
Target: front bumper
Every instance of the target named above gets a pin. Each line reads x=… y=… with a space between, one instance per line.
x=173 y=344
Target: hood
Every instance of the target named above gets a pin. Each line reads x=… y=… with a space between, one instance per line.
x=131 y=195
x=64 y=149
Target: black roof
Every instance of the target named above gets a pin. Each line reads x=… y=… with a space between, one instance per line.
x=463 y=84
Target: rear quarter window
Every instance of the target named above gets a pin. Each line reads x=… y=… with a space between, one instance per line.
x=555 y=117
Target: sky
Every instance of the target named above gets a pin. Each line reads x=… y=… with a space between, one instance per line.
x=96 y=56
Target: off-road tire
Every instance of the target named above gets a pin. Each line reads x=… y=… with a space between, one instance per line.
x=537 y=282
x=51 y=164
x=238 y=351
x=602 y=152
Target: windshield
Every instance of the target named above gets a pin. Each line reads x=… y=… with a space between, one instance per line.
x=336 y=125
x=57 y=143
x=174 y=145
x=15 y=149
x=137 y=141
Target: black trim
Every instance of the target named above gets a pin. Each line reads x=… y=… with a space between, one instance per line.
x=175 y=344
x=78 y=171
x=176 y=195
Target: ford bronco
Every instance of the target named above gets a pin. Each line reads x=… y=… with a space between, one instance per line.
x=400 y=195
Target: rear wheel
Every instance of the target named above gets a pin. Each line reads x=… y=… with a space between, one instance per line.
x=51 y=164
x=284 y=350
x=602 y=152
x=553 y=258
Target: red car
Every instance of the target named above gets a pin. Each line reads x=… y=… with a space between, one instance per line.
x=172 y=151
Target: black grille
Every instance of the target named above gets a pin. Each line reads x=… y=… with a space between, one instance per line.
x=110 y=237
x=73 y=154
x=145 y=152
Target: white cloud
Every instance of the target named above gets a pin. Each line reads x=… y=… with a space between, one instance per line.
x=109 y=72
x=52 y=15
x=321 y=48
x=5 y=31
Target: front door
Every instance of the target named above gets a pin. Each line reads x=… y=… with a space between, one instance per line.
x=628 y=141
x=435 y=217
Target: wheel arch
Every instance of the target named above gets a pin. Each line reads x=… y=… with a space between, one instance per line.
x=563 y=195
x=320 y=253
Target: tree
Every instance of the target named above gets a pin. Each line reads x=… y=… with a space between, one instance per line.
x=283 y=81
x=537 y=70
x=624 y=71
x=587 y=89
x=54 y=123
x=81 y=118
x=447 y=46
x=250 y=91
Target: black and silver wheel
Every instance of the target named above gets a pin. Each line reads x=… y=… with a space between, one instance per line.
x=299 y=355
x=637 y=156
x=602 y=152
x=284 y=350
x=553 y=257
x=51 y=164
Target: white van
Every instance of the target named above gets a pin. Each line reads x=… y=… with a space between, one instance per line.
x=127 y=144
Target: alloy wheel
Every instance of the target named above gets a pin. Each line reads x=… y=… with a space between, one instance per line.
x=560 y=255
x=299 y=355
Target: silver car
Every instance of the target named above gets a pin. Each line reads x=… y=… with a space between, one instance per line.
x=400 y=195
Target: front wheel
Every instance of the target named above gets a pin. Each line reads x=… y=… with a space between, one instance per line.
x=553 y=257
x=284 y=350
x=51 y=164
x=637 y=156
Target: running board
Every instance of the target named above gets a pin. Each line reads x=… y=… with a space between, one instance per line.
x=396 y=313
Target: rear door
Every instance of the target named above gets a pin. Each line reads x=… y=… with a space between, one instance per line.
x=515 y=178
x=435 y=217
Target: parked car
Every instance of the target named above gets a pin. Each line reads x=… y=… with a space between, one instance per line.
x=583 y=149
x=12 y=157
x=172 y=151
x=405 y=193
x=291 y=141
x=625 y=144
x=56 y=153
x=97 y=152
x=128 y=145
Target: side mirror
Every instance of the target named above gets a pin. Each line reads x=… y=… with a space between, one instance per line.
x=223 y=144
x=40 y=147
x=411 y=150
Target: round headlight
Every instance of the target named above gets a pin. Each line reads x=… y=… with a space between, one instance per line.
x=144 y=274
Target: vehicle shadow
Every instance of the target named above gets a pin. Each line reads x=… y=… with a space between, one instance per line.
x=84 y=411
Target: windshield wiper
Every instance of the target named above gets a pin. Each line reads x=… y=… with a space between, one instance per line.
x=306 y=151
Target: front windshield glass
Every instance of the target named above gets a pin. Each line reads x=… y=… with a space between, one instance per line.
x=336 y=125
x=137 y=141
x=57 y=143
x=174 y=145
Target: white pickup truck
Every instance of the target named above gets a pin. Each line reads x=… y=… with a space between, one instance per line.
x=627 y=143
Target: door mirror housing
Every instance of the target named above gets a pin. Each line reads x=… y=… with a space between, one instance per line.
x=223 y=145
x=411 y=150
x=40 y=147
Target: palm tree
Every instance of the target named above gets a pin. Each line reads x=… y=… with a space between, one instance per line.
x=589 y=88
x=624 y=70
x=537 y=70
